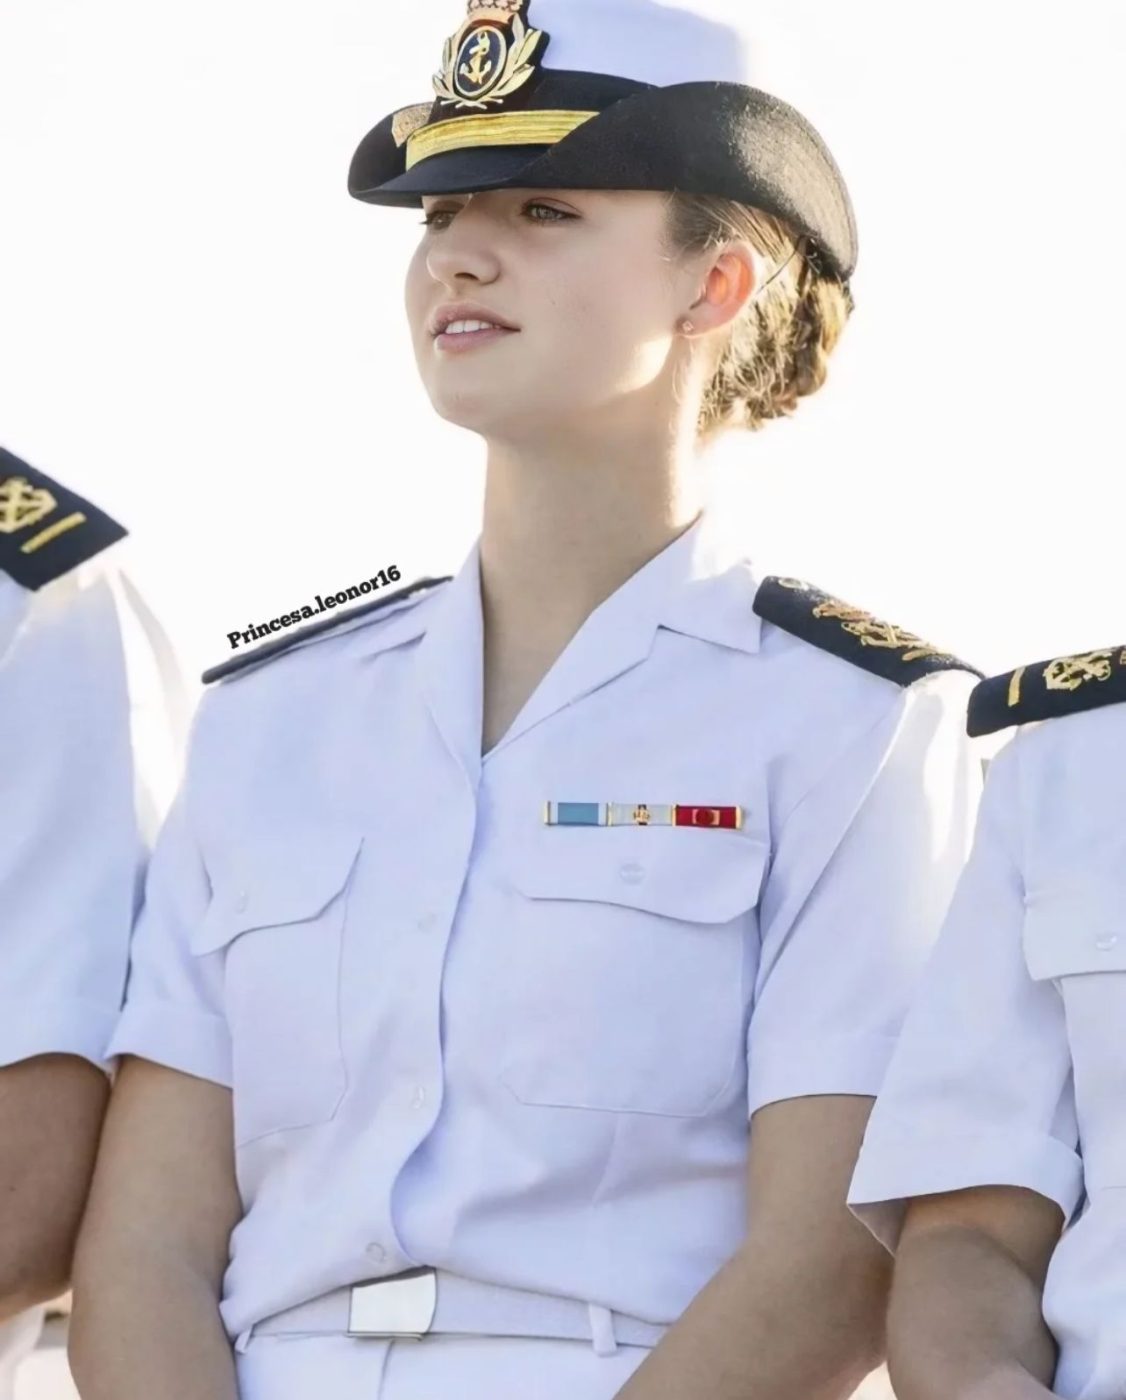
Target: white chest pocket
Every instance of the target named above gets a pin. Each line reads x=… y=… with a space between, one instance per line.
x=1076 y=937
x=624 y=977
x=277 y=915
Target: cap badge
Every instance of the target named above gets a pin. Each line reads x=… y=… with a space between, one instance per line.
x=490 y=56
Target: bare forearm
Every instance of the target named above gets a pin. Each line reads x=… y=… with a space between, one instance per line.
x=145 y=1327
x=756 y=1332
x=965 y=1322
x=51 y=1110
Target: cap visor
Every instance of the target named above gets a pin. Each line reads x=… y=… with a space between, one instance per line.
x=455 y=172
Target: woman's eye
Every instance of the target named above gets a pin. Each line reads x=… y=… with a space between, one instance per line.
x=557 y=215
x=551 y=209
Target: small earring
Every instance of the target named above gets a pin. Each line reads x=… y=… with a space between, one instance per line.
x=686 y=324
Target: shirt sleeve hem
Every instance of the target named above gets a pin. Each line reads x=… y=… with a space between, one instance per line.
x=890 y=1174
x=798 y=1069
x=63 y=1027
x=190 y=1041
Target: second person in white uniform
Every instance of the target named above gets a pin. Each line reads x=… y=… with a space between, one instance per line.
x=76 y=812
x=1002 y=1125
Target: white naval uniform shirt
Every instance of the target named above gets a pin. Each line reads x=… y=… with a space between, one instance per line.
x=523 y=1053
x=1012 y=1065
x=71 y=849
x=75 y=816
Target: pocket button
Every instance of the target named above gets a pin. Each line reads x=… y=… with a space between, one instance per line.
x=632 y=873
x=1106 y=942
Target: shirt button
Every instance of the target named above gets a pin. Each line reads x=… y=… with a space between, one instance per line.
x=632 y=873
x=242 y=900
x=427 y=921
x=418 y=1098
x=1106 y=942
x=376 y=1252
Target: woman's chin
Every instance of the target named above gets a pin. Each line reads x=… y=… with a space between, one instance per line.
x=489 y=412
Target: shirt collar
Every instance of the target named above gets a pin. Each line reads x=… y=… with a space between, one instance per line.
x=709 y=586
x=699 y=584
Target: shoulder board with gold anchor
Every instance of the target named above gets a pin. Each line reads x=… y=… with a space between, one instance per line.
x=1065 y=685
x=269 y=650
x=850 y=633
x=46 y=530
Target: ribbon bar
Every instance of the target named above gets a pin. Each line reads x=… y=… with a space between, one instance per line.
x=639 y=814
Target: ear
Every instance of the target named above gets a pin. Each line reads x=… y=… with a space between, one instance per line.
x=735 y=274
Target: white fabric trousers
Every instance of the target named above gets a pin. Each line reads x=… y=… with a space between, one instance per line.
x=435 y=1368
x=18 y=1337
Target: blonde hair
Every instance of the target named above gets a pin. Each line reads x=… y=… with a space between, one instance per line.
x=778 y=348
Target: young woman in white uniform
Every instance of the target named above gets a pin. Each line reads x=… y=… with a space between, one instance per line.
x=1003 y=1117
x=73 y=823
x=546 y=929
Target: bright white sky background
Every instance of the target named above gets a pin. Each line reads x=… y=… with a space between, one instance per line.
x=200 y=330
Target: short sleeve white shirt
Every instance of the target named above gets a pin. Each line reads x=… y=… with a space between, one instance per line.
x=527 y=1053
x=1011 y=1069
x=75 y=813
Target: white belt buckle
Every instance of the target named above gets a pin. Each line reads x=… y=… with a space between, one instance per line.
x=400 y=1306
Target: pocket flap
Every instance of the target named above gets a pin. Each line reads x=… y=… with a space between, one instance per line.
x=275 y=877
x=705 y=875
x=1075 y=931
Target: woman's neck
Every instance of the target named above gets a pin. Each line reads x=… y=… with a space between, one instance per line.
x=563 y=528
x=562 y=531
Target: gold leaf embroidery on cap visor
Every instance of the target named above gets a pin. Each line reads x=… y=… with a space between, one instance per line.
x=534 y=128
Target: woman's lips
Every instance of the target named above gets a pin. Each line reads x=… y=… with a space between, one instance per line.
x=461 y=341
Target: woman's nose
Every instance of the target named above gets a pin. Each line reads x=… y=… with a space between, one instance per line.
x=463 y=252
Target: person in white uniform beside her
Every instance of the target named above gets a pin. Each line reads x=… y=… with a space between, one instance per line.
x=524 y=950
x=995 y=1160
x=72 y=830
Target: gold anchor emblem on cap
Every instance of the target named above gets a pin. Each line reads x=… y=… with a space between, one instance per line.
x=22 y=504
x=489 y=57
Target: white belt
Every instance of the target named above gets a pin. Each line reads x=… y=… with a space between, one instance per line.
x=422 y=1302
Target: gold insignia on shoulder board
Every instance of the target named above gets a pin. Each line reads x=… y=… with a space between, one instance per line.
x=874 y=633
x=22 y=504
x=1071 y=672
x=851 y=633
x=489 y=57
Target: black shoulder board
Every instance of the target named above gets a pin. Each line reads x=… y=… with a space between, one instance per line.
x=1065 y=685
x=850 y=633
x=46 y=530
x=278 y=645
